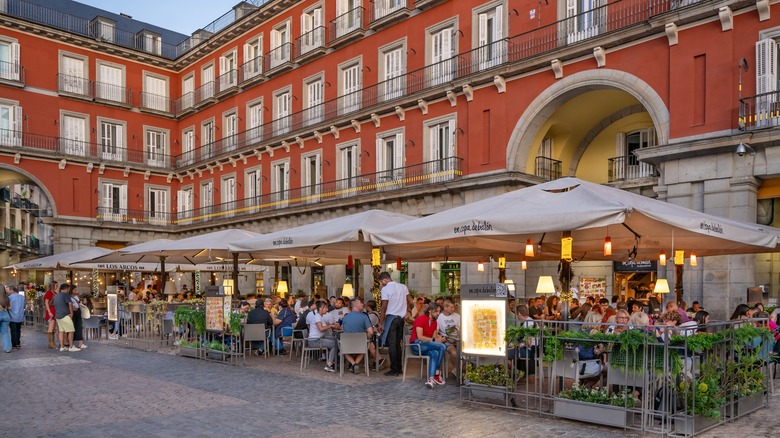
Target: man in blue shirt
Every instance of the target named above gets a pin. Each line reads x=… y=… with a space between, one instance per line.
x=18 y=302
x=357 y=322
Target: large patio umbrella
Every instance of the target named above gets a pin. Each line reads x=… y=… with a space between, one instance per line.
x=639 y=227
x=63 y=260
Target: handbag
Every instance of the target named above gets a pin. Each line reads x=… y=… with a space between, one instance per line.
x=85 y=313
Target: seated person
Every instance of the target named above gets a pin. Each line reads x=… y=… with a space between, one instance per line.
x=283 y=322
x=448 y=324
x=358 y=322
x=425 y=336
x=621 y=322
x=373 y=315
x=301 y=323
x=319 y=337
x=259 y=315
x=670 y=320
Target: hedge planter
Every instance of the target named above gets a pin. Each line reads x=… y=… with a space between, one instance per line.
x=136 y=308
x=217 y=355
x=479 y=390
x=606 y=415
x=189 y=351
x=747 y=405
x=689 y=425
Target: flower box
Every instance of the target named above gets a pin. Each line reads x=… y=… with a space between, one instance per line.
x=189 y=351
x=479 y=390
x=688 y=425
x=135 y=308
x=748 y=404
x=606 y=415
x=217 y=355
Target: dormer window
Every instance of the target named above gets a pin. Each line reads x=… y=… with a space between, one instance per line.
x=149 y=42
x=103 y=29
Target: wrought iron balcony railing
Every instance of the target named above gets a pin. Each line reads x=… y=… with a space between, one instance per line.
x=628 y=168
x=760 y=111
x=310 y=42
x=11 y=71
x=156 y=102
x=113 y=93
x=344 y=25
x=547 y=168
x=74 y=85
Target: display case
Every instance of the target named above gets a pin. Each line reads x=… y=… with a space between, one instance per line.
x=483 y=319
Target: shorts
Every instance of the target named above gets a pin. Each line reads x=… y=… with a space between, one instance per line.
x=65 y=325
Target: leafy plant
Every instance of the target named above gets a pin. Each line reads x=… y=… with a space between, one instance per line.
x=600 y=396
x=235 y=323
x=191 y=344
x=216 y=345
x=186 y=315
x=705 y=395
x=488 y=374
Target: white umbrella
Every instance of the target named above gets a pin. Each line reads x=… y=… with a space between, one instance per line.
x=330 y=241
x=639 y=227
x=62 y=260
x=195 y=249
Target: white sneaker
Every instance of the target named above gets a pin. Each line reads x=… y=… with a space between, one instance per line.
x=430 y=383
x=83 y=346
x=63 y=349
x=74 y=348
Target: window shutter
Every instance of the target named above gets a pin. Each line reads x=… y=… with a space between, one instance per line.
x=306 y=23
x=222 y=65
x=380 y=156
x=571 y=8
x=766 y=66
x=247 y=55
x=398 y=151
x=620 y=144
x=434 y=136
x=317 y=18
x=123 y=197
x=119 y=141
x=499 y=23
x=483 y=36
x=16 y=122
x=14 y=59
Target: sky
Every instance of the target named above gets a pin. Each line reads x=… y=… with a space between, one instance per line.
x=183 y=16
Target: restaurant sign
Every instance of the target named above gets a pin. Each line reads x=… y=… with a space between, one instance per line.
x=640 y=266
x=483 y=291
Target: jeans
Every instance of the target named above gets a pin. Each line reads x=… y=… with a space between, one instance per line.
x=328 y=343
x=16 y=333
x=434 y=350
x=260 y=345
x=395 y=335
x=280 y=333
x=5 y=331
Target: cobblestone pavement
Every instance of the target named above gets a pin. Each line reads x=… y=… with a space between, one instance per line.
x=107 y=390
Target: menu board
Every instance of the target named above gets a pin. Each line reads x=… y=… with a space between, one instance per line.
x=214 y=313
x=111 y=303
x=484 y=326
x=593 y=286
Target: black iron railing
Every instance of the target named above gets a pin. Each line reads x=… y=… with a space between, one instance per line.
x=310 y=41
x=11 y=71
x=627 y=168
x=760 y=111
x=547 y=168
x=346 y=24
x=113 y=93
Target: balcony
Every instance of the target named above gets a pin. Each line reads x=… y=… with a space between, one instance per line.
x=156 y=104
x=547 y=168
x=629 y=168
x=204 y=94
x=88 y=150
x=185 y=104
x=387 y=12
x=113 y=94
x=251 y=72
x=310 y=45
x=227 y=83
x=11 y=73
x=347 y=27
x=760 y=111
x=418 y=175
x=140 y=217
x=425 y=4
x=278 y=60
x=74 y=86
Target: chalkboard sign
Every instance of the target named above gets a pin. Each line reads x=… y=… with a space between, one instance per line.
x=215 y=308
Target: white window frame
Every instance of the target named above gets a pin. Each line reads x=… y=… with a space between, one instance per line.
x=766 y=67
x=253 y=57
x=10 y=69
x=253 y=186
x=580 y=24
x=206 y=204
x=116 y=211
x=314 y=98
x=490 y=20
x=156 y=146
x=311 y=184
x=390 y=166
x=440 y=38
x=346 y=24
x=228 y=69
x=108 y=151
x=208 y=135
x=207 y=80
x=188 y=145
x=281 y=43
x=282 y=110
x=74 y=80
x=73 y=142
x=151 y=42
x=311 y=23
x=254 y=121
x=392 y=70
x=108 y=89
x=348 y=177
x=105 y=29
x=188 y=91
x=229 y=130
x=280 y=182
x=158 y=206
x=185 y=204
x=156 y=97
x=227 y=194
x=11 y=133
x=440 y=164
x=349 y=91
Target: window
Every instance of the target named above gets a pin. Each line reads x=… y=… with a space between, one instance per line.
x=155 y=95
x=252 y=187
x=103 y=29
x=157 y=206
x=188 y=146
x=349 y=17
x=207 y=139
x=10 y=124
x=392 y=71
x=311 y=176
x=254 y=122
x=150 y=42
x=282 y=111
x=74 y=134
x=228 y=194
x=188 y=92
x=113 y=201
x=314 y=98
x=73 y=75
x=112 y=140
x=206 y=197
x=207 y=82
x=350 y=81
x=347 y=168
x=229 y=131
x=253 y=58
x=491 y=45
x=280 y=180
x=312 y=30
x=766 y=79
x=110 y=83
x=383 y=8
x=227 y=71
x=626 y=165
x=440 y=153
x=9 y=60
x=184 y=205
x=546 y=165
x=442 y=55
x=390 y=160
x=280 y=44
x=582 y=19
x=156 y=147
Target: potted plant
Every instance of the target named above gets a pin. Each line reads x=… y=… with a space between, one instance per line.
x=594 y=405
x=703 y=399
x=189 y=348
x=489 y=381
x=216 y=350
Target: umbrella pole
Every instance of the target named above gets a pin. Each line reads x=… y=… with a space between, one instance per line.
x=276 y=277
x=235 y=274
x=162 y=274
x=678 y=283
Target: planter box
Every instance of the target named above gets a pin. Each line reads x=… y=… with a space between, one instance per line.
x=135 y=308
x=605 y=415
x=689 y=425
x=189 y=351
x=487 y=392
x=747 y=405
x=217 y=355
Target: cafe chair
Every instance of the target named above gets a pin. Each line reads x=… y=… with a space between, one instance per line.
x=297 y=341
x=571 y=367
x=307 y=351
x=254 y=333
x=415 y=352
x=92 y=326
x=353 y=343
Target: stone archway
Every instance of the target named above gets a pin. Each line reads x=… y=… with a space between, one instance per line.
x=521 y=142
x=12 y=175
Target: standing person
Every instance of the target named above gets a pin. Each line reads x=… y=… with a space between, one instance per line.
x=18 y=302
x=448 y=323
x=395 y=302
x=5 y=319
x=63 y=311
x=425 y=335
x=78 y=328
x=48 y=306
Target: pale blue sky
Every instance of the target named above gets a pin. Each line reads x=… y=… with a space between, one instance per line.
x=183 y=16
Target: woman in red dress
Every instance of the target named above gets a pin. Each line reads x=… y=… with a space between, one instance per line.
x=48 y=308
